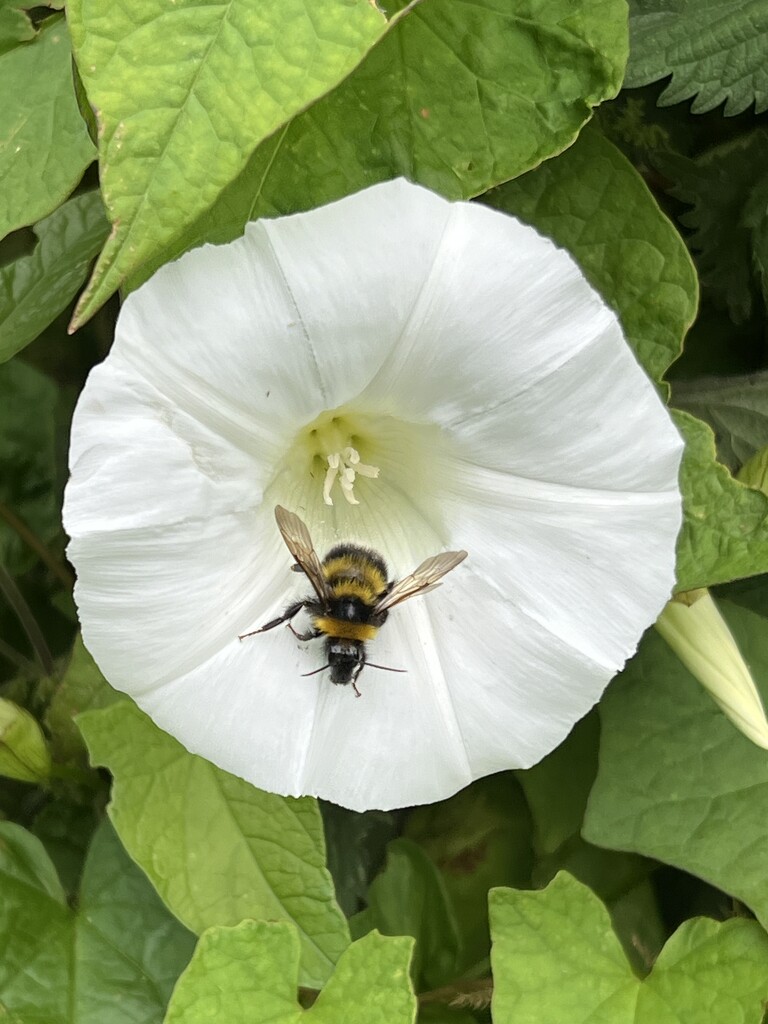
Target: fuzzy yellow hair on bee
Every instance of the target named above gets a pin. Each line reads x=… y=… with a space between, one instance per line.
x=352 y=571
x=353 y=596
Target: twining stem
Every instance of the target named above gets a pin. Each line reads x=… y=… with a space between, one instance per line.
x=15 y=599
x=17 y=659
x=43 y=552
x=474 y=994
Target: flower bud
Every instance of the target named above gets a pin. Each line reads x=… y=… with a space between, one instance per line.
x=696 y=631
x=23 y=750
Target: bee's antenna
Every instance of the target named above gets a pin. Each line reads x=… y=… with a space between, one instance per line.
x=385 y=668
x=315 y=671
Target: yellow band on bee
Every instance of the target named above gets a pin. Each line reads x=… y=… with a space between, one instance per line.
x=345 y=630
x=346 y=569
x=354 y=588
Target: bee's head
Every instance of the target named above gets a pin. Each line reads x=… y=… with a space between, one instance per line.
x=345 y=658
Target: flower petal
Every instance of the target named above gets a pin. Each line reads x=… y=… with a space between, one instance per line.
x=302 y=311
x=137 y=459
x=506 y=416
x=586 y=565
x=299 y=735
x=355 y=270
x=513 y=366
x=500 y=309
x=458 y=712
x=452 y=716
x=593 y=423
x=156 y=601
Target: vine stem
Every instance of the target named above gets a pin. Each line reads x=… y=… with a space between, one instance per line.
x=474 y=994
x=44 y=553
x=15 y=599
x=17 y=659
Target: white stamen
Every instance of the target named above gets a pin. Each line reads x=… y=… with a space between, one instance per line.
x=330 y=476
x=345 y=465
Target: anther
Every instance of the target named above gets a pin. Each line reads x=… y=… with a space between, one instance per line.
x=345 y=465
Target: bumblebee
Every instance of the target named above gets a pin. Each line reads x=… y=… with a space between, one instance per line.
x=353 y=596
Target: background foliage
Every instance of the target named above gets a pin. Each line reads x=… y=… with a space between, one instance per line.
x=628 y=872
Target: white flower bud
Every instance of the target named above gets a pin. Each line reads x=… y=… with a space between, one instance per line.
x=696 y=631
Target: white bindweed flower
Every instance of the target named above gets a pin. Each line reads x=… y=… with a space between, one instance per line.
x=408 y=374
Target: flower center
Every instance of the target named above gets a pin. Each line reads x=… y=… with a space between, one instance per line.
x=362 y=473
x=334 y=451
x=345 y=465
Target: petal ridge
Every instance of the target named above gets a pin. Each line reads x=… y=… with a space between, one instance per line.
x=266 y=227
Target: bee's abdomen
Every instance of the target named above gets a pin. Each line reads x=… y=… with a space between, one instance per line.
x=344 y=629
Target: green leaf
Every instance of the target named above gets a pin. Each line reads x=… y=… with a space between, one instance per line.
x=409 y=898
x=479 y=838
x=555 y=958
x=23 y=750
x=591 y=201
x=677 y=781
x=355 y=847
x=34 y=289
x=750 y=593
x=248 y=975
x=722 y=187
x=715 y=50
x=15 y=26
x=725 y=525
x=82 y=689
x=27 y=463
x=229 y=75
x=129 y=950
x=66 y=830
x=264 y=854
x=557 y=790
x=735 y=407
x=458 y=97
x=46 y=145
x=436 y=1014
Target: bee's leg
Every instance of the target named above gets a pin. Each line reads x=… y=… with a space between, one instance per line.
x=287 y=615
x=313 y=634
x=357 y=673
x=314 y=609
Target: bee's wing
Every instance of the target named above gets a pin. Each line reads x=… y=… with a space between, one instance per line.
x=299 y=543
x=422 y=579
